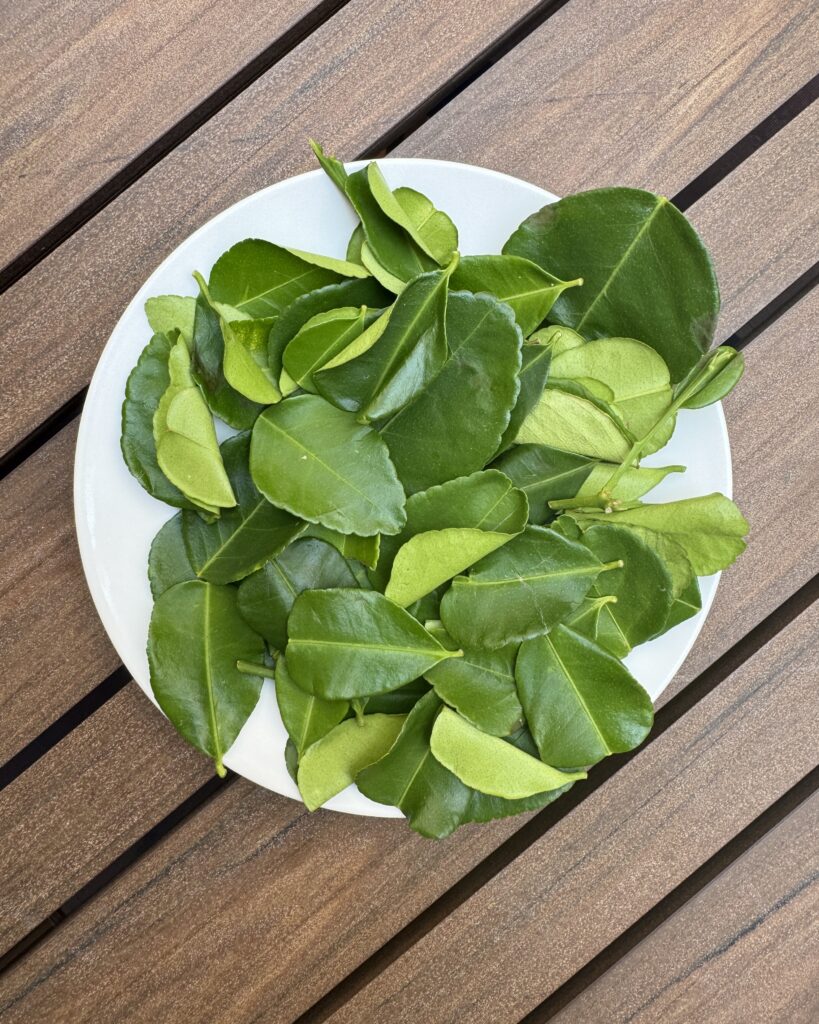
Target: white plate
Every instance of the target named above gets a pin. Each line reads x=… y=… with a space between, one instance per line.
x=116 y=519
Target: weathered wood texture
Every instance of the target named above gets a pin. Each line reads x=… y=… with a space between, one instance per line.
x=637 y=837
x=310 y=908
x=745 y=949
x=87 y=87
x=396 y=50
x=689 y=94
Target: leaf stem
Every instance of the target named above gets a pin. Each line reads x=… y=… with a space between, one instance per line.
x=252 y=668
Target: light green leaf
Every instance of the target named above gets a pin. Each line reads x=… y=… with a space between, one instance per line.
x=381 y=274
x=354 y=643
x=581 y=702
x=315 y=461
x=430 y=229
x=362 y=549
x=167 y=313
x=727 y=366
x=633 y=484
x=557 y=338
x=490 y=765
x=362 y=343
x=245 y=360
x=574 y=424
x=318 y=341
x=345 y=268
x=332 y=763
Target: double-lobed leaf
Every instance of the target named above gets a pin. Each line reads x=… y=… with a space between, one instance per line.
x=646 y=273
x=246 y=361
x=306 y=717
x=321 y=465
x=519 y=591
x=195 y=639
x=431 y=230
x=322 y=337
x=355 y=643
x=581 y=702
x=574 y=422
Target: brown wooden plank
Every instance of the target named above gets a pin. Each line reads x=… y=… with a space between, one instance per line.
x=69 y=816
x=271 y=917
x=637 y=837
x=745 y=949
x=86 y=88
x=724 y=69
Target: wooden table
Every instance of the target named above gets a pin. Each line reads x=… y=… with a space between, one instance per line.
x=678 y=884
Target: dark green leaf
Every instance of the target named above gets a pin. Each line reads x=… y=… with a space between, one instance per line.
x=534 y=372
x=306 y=717
x=322 y=337
x=545 y=474
x=168 y=562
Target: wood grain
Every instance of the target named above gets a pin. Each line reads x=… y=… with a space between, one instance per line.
x=85 y=88
x=395 y=50
x=632 y=841
x=310 y=907
x=745 y=949
x=716 y=75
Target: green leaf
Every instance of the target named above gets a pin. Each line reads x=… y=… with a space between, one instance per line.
x=245 y=360
x=636 y=375
x=633 y=484
x=361 y=344
x=709 y=529
x=344 y=268
x=207 y=357
x=167 y=313
x=686 y=605
x=581 y=702
x=244 y=537
x=387 y=280
x=410 y=350
x=454 y=426
x=315 y=461
x=355 y=293
x=557 y=339
x=332 y=763
x=195 y=638
x=355 y=244
x=431 y=230
x=545 y=474
x=147 y=383
x=168 y=562
x=333 y=168
x=640 y=594
x=728 y=367
x=362 y=549
x=574 y=424
x=488 y=764
x=319 y=340
x=262 y=279
x=354 y=643
x=266 y=597
x=397 y=702
x=306 y=717
x=480 y=685
x=523 y=285
x=647 y=274
x=534 y=372
x=519 y=591
x=186 y=447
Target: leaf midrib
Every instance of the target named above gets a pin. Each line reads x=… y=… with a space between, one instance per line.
x=567 y=675
x=218 y=752
x=585 y=571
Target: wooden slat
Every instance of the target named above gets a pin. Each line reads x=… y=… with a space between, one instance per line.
x=745 y=949
x=738 y=61
x=593 y=874
x=747 y=465
x=43 y=872
x=85 y=88
x=270 y=917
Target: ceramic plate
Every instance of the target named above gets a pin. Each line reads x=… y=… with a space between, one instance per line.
x=116 y=519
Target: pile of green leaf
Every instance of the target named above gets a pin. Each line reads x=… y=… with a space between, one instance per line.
x=429 y=530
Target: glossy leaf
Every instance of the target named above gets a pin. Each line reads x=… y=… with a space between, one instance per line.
x=488 y=764
x=431 y=230
x=354 y=643
x=709 y=529
x=186 y=447
x=266 y=597
x=519 y=591
x=195 y=638
x=245 y=360
x=315 y=461
x=480 y=685
x=168 y=313
x=410 y=350
x=306 y=717
x=262 y=279
x=729 y=367
x=544 y=474
x=244 y=537
x=480 y=375
x=321 y=338
x=332 y=763
x=360 y=344
x=686 y=605
x=398 y=702
x=345 y=268
x=574 y=424
x=168 y=562
x=207 y=359
x=581 y=702
x=642 y=591
x=534 y=373
x=647 y=274
x=147 y=383
x=362 y=549
x=521 y=284
x=357 y=293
